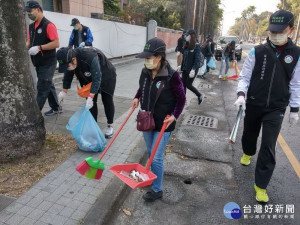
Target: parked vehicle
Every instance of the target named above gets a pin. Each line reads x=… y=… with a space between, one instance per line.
x=224 y=40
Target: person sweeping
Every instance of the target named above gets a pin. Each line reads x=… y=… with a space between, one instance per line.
x=271 y=79
x=160 y=91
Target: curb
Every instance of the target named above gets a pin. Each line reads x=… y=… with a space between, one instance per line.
x=115 y=193
x=5 y=201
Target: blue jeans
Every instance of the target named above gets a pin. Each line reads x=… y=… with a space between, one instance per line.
x=157 y=166
x=227 y=66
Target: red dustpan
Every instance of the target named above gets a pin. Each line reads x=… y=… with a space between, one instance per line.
x=127 y=168
x=236 y=75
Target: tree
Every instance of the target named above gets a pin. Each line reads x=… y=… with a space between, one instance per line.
x=111 y=7
x=22 y=128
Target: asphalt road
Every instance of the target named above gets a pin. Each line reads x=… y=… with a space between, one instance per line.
x=202 y=170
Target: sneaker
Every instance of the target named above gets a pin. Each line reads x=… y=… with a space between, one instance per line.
x=261 y=194
x=200 y=99
x=220 y=76
x=245 y=160
x=151 y=196
x=52 y=112
x=109 y=131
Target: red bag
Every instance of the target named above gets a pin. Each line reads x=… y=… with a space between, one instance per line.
x=145 y=121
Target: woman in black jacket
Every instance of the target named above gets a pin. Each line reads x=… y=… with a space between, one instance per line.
x=192 y=60
x=171 y=102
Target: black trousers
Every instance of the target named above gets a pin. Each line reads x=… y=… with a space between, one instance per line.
x=45 y=86
x=109 y=107
x=270 y=120
x=188 y=82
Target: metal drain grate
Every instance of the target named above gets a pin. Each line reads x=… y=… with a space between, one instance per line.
x=205 y=86
x=201 y=121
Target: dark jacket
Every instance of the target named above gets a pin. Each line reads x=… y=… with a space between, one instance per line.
x=38 y=37
x=166 y=102
x=228 y=51
x=207 y=50
x=269 y=86
x=86 y=37
x=179 y=47
x=100 y=71
x=192 y=59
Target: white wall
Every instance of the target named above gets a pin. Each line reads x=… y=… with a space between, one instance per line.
x=112 y=38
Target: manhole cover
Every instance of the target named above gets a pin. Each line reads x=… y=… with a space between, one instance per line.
x=205 y=86
x=201 y=121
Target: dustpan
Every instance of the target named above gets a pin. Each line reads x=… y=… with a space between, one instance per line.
x=141 y=169
x=236 y=75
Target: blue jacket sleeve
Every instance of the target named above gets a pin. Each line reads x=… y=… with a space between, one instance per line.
x=96 y=75
x=71 y=40
x=90 y=38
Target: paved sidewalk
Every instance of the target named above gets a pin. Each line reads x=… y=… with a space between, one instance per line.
x=64 y=197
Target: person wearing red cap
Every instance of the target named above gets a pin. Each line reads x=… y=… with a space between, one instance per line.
x=269 y=82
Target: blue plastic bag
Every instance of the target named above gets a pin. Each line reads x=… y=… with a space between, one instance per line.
x=86 y=131
x=212 y=64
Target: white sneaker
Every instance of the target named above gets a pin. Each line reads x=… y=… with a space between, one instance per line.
x=109 y=131
x=220 y=76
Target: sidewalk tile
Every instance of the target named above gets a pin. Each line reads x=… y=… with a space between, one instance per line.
x=15 y=220
x=36 y=214
x=67 y=212
x=56 y=209
x=5 y=215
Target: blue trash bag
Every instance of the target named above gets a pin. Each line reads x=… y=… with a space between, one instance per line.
x=86 y=131
x=212 y=64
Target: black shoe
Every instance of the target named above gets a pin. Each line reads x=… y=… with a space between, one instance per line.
x=151 y=196
x=200 y=99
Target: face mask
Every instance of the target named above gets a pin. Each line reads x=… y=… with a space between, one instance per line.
x=149 y=64
x=187 y=38
x=70 y=68
x=31 y=16
x=76 y=28
x=278 y=39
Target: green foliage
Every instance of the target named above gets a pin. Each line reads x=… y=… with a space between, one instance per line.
x=111 y=7
x=213 y=17
x=169 y=14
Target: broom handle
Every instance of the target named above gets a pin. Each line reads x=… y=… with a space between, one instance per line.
x=117 y=133
x=157 y=143
x=233 y=134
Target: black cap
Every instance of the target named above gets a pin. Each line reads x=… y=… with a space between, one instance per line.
x=153 y=46
x=191 y=31
x=232 y=43
x=32 y=5
x=279 y=20
x=64 y=57
x=74 y=22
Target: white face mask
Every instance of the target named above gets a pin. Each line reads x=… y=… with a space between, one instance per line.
x=187 y=38
x=70 y=68
x=149 y=64
x=278 y=39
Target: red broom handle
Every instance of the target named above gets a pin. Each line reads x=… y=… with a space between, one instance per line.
x=157 y=143
x=117 y=133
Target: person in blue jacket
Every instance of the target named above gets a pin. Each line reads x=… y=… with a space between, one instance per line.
x=81 y=35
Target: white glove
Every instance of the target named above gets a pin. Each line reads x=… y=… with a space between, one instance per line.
x=192 y=74
x=82 y=44
x=61 y=96
x=240 y=101
x=34 y=50
x=89 y=102
x=293 y=118
x=178 y=68
x=178 y=53
x=223 y=60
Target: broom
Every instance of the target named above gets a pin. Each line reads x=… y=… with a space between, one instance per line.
x=94 y=169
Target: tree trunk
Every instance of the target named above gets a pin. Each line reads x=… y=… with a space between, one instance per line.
x=189 y=15
x=22 y=128
x=198 y=17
